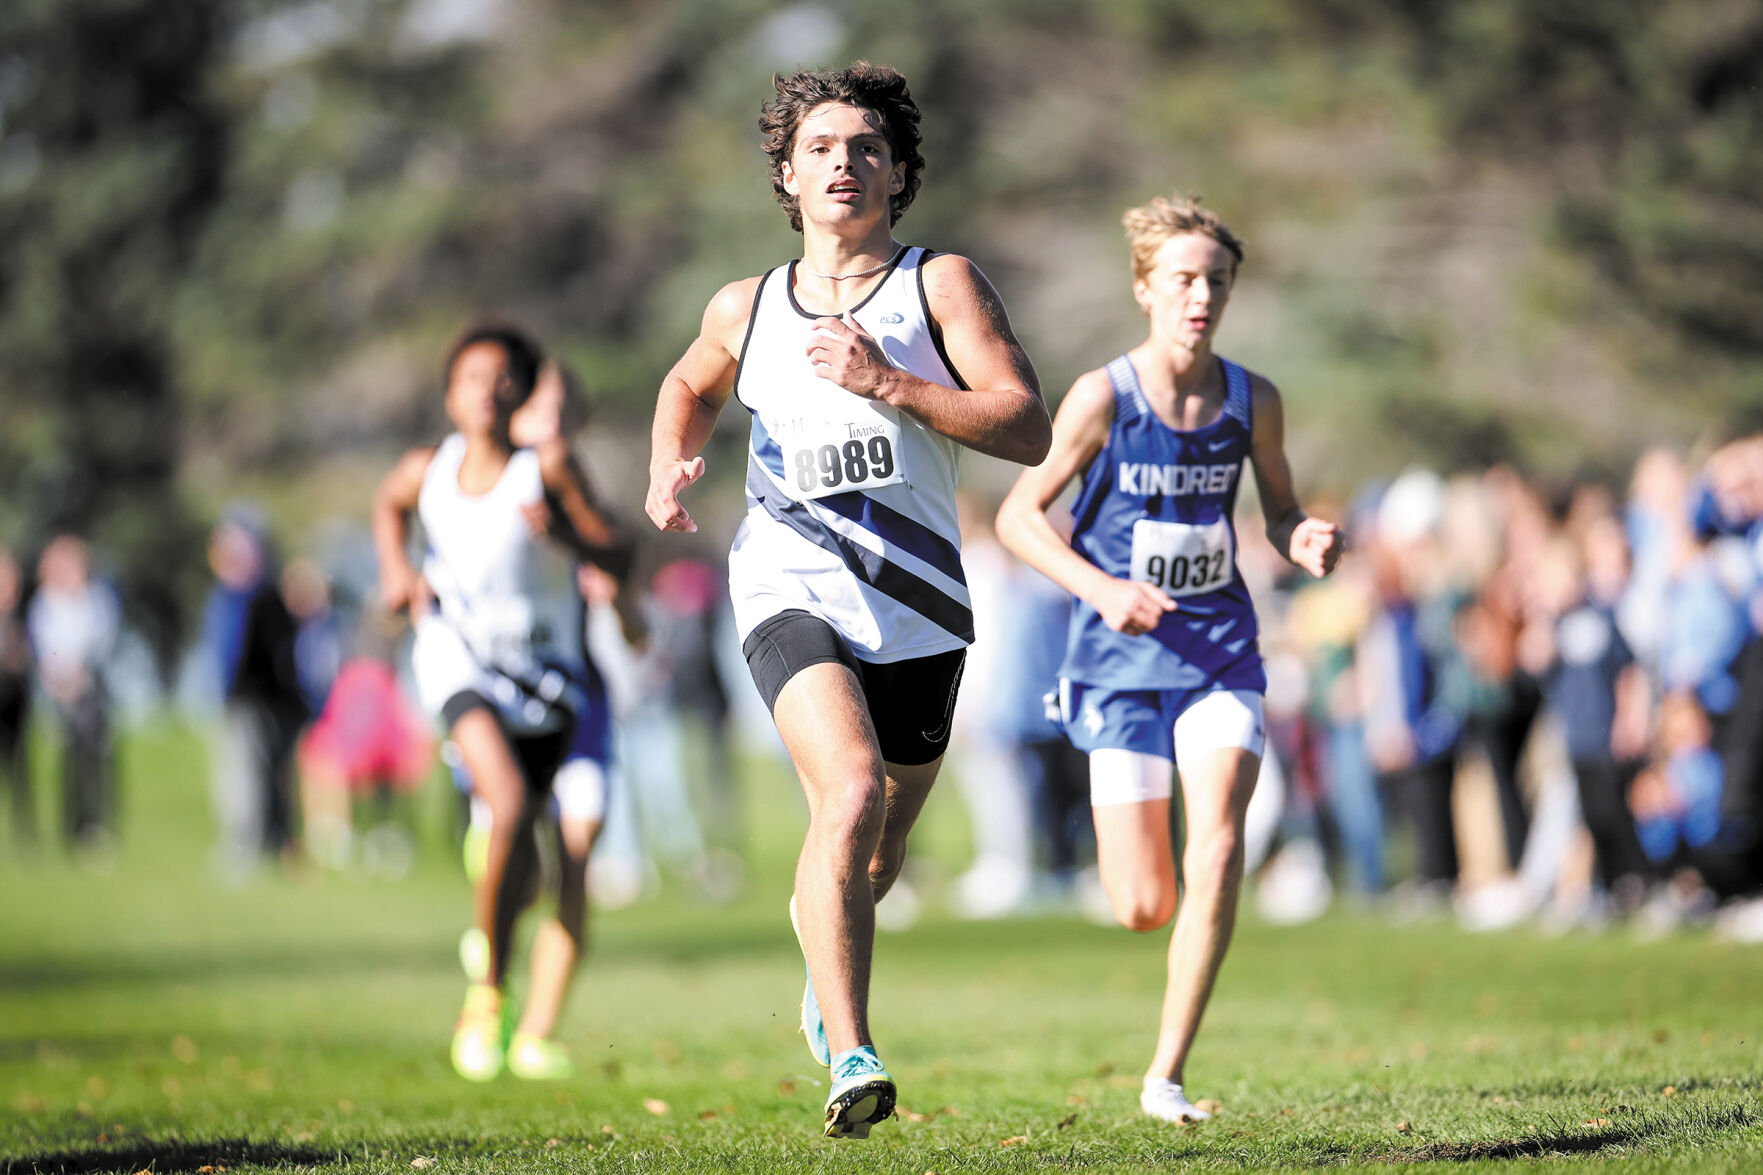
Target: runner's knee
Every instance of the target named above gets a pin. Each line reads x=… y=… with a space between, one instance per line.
x=1141 y=906
x=1214 y=859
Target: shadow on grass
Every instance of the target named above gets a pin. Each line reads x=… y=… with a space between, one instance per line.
x=158 y=1157
x=1637 y=1131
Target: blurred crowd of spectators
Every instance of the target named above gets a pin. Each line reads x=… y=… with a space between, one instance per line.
x=1513 y=701
x=1586 y=663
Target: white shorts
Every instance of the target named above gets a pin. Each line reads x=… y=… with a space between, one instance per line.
x=445 y=668
x=1215 y=721
x=580 y=789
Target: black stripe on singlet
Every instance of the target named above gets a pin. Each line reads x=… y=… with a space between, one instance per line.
x=890 y=579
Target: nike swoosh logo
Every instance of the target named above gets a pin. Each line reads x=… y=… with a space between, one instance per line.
x=1215 y=446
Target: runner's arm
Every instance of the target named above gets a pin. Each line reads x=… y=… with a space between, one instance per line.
x=1310 y=543
x=400 y=583
x=587 y=530
x=1079 y=432
x=691 y=397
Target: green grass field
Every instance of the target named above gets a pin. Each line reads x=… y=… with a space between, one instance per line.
x=153 y=1020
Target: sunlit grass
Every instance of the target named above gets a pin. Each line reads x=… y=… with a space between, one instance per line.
x=151 y=1019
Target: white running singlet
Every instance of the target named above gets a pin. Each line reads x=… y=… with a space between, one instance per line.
x=484 y=633
x=850 y=503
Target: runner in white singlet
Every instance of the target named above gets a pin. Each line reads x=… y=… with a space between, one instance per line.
x=483 y=661
x=867 y=365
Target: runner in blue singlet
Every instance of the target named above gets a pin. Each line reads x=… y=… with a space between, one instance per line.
x=1161 y=661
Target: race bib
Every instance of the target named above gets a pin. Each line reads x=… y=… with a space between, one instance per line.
x=824 y=457
x=1184 y=559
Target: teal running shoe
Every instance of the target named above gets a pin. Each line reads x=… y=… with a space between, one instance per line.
x=862 y=1095
x=813 y=1027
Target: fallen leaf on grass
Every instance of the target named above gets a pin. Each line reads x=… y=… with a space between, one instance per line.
x=1067 y=1120
x=1596 y=1122
x=706 y=1115
x=422 y=1161
x=1403 y=1128
x=655 y=1106
x=1669 y=1091
x=1013 y=1140
x=606 y=1130
x=786 y=1088
x=910 y=1115
x=553 y=1142
x=1076 y=1099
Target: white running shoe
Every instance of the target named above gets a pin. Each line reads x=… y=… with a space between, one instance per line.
x=1166 y=1101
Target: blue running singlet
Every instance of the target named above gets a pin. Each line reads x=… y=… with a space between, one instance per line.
x=1156 y=506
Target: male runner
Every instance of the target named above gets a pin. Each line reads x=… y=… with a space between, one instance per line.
x=1161 y=659
x=866 y=365
x=483 y=664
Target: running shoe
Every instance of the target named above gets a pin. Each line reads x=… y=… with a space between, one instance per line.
x=813 y=1028
x=862 y=1095
x=478 y=1052
x=533 y=1058
x=1165 y=1100
x=474 y=955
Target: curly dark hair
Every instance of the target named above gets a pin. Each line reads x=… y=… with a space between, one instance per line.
x=524 y=356
x=872 y=87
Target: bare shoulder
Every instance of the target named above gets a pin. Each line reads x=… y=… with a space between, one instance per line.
x=403 y=481
x=1086 y=413
x=725 y=318
x=955 y=280
x=1091 y=394
x=415 y=462
x=1261 y=389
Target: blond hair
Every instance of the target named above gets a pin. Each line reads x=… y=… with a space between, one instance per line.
x=1149 y=225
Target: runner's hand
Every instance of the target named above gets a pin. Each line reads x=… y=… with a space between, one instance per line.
x=1131 y=607
x=843 y=352
x=538 y=518
x=665 y=483
x=1317 y=546
x=403 y=589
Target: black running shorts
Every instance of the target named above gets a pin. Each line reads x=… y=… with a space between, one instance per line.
x=910 y=702
x=538 y=755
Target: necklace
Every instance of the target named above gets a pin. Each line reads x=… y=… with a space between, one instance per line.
x=839 y=277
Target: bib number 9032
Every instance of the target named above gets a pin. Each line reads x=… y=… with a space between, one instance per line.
x=854 y=464
x=1184 y=559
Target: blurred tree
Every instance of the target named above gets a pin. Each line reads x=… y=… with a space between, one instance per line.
x=111 y=157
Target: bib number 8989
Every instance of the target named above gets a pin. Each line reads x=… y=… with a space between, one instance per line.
x=854 y=463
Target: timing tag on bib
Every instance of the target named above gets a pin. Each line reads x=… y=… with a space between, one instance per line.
x=823 y=457
x=1184 y=559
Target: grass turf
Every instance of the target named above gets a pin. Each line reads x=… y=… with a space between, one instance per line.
x=151 y=1019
